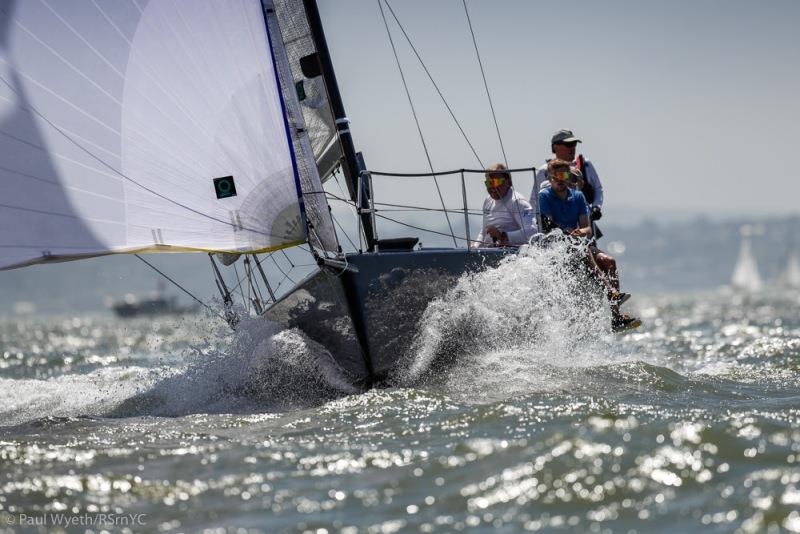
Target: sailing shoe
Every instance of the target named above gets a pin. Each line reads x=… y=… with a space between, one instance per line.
x=621 y=323
x=618 y=298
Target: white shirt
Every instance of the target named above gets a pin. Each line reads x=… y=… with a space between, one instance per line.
x=511 y=214
x=590 y=175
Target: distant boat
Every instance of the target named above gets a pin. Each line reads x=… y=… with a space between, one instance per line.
x=157 y=304
x=24 y=307
x=745 y=275
x=790 y=276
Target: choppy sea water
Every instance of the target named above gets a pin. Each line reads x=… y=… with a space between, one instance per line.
x=690 y=424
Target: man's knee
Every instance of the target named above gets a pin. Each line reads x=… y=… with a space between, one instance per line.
x=606 y=261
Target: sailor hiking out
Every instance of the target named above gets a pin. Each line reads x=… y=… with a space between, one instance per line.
x=565 y=208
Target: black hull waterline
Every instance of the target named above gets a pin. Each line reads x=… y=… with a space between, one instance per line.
x=367 y=314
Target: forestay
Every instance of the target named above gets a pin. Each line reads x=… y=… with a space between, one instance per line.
x=117 y=117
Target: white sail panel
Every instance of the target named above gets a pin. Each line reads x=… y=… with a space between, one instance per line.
x=117 y=117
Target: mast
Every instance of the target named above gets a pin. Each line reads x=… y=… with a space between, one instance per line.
x=351 y=166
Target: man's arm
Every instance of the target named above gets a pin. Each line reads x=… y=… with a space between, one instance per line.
x=594 y=180
x=548 y=223
x=478 y=243
x=482 y=234
x=499 y=237
x=524 y=215
x=584 y=228
x=545 y=210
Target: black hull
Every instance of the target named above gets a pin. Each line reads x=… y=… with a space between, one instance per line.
x=151 y=308
x=368 y=319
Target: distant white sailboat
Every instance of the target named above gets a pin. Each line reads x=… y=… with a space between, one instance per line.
x=790 y=276
x=745 y=275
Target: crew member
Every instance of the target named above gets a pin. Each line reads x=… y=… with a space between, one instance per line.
x=564 y=145
x=565 y=208
x=508 y=219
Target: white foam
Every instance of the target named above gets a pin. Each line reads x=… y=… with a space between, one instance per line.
x=510 y=329
x=69 y=395
x=260 y=367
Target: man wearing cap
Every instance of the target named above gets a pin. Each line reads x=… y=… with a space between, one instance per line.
x=508 y=219
x=565 y=208
x=564 y=144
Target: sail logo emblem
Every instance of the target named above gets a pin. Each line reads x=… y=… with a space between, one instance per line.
x=301 y=90
x=224 y=187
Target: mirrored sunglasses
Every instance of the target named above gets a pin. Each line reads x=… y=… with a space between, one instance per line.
x=561 y=176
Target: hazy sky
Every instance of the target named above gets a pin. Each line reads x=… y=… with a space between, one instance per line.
x=679 y=103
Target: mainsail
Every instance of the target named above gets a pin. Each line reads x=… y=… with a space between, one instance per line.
x=147 y=126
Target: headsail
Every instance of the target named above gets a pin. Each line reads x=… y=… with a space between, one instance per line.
x=309 y=112
x=308 y=85
x=121 y=123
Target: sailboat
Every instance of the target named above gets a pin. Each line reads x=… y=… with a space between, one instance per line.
x=790 y=276
x=745 y=274
x=204 y=126
x=158 y=303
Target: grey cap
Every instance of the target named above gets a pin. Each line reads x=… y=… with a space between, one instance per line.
x=564 y=136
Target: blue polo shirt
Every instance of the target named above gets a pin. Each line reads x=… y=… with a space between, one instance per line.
x=565 y=212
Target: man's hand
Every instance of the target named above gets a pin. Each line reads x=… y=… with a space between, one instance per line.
x=581 y=232
x=596 y=214
x=497 y=235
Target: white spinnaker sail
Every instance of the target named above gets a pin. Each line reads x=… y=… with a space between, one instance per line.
x=117 y=116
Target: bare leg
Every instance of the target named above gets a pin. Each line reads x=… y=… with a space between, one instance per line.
x=608 y=265
x=604 y=274
x=599 y=274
